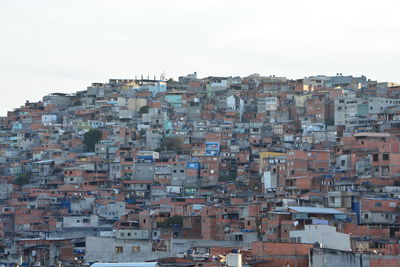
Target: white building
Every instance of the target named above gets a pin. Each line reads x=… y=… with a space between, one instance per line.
x=80 y=221
x=49 y=119
x=378 y=104
x=345 y=108
x=105 y=249
x=271 y=103
x=111 y=211
x=324 y=234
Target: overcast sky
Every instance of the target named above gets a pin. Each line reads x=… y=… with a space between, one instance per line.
x=63 y=46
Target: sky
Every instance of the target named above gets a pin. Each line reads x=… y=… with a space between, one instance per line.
x=49 y=46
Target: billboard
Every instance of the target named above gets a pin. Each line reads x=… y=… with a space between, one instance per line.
x=212 y=148
x=192 y=165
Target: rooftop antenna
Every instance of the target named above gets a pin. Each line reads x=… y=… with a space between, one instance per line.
x=162 y=76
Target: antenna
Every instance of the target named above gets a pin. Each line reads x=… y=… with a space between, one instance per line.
x=163 y=75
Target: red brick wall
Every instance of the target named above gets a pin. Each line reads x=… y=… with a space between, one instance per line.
x=387 y=261
x=281 y=254
x=276 y=248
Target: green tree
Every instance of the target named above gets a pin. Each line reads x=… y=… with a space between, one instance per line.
x=228 y=178
x=23 y=179
x=91 y=138
x=144 y=109
x=171 y=143
x=109 y=118
x=168 y=223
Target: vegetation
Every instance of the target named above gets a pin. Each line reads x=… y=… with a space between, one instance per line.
x=144 y=109
x=171 y=143
x=57 y=170
x=23 y=179
x=228 y=178
x=91 y=138
x=109 y=118
x=171 y=221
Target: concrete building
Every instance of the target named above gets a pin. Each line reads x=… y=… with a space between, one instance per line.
x=379 y=104
x=346 y=107
x=326 y=235
x=105 y=249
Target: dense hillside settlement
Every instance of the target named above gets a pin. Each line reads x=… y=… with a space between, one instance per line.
x=275 y=171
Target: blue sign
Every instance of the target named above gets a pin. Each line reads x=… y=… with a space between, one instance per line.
x=212 y=148
x=193 y=165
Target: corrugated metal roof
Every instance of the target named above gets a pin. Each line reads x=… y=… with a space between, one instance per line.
x=315 y=210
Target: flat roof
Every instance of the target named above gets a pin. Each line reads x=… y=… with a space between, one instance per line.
x=315 y=210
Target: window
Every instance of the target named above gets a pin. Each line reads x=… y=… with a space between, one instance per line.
x=385 y=170
x=366 y=216
x=378 y=204
x=135 y=249
x=375 y=157
x=376 y=171
x=119 y=249
x=238 y=237
x=385 y=156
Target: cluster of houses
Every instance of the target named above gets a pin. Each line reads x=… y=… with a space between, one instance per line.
x=289 y=172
